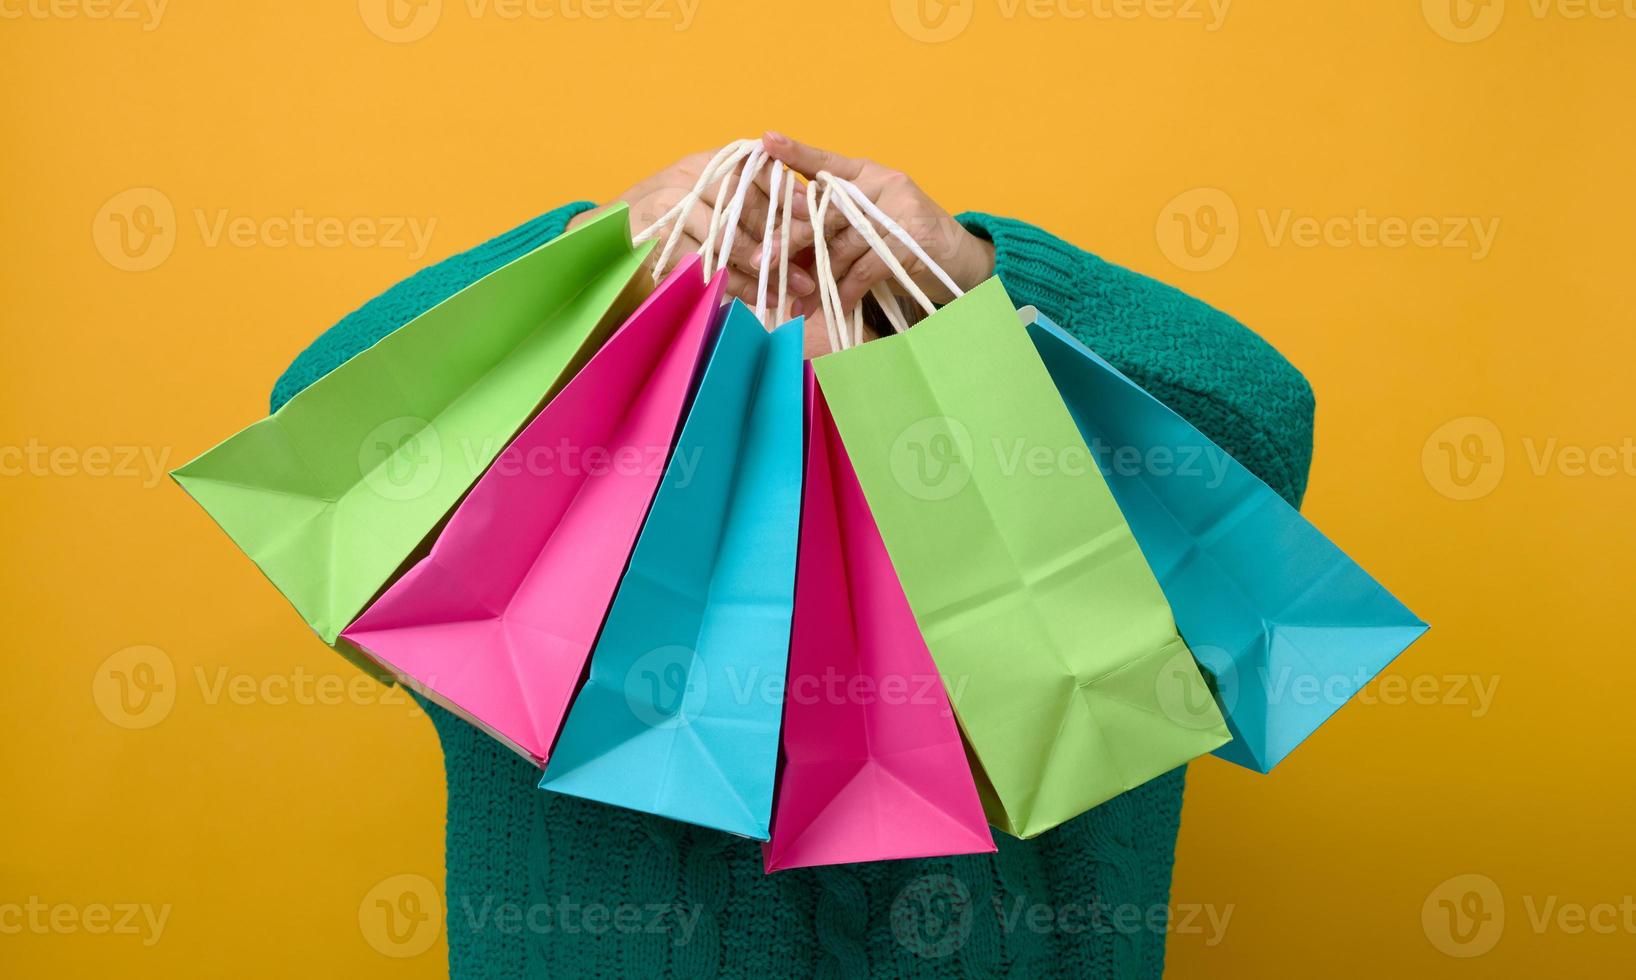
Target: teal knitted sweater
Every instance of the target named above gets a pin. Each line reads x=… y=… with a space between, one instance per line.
x=542 y=885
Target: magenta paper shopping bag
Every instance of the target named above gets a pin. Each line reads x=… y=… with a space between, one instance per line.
x=873 y=764
x=497 y=621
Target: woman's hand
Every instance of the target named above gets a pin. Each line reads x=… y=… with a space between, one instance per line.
x=650 y=199
x=967 y=259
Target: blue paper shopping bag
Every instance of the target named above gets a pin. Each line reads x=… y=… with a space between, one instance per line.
x=680 y=713
x=1286 y=627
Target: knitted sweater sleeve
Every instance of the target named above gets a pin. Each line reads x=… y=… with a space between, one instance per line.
x=1210 y=368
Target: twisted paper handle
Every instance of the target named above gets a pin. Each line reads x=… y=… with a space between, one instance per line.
x=746 y=158
x=854 y=205
x=725 y=213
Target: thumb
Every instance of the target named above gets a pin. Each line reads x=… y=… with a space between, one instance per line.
x=808 y=160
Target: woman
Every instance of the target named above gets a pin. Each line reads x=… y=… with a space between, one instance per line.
x=546 y=885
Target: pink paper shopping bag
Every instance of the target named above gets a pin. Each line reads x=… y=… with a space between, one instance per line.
x=873 y=764
x=497 y=621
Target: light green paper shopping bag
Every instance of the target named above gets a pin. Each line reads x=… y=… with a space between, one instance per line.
x=335 y=491
x=1058 y=649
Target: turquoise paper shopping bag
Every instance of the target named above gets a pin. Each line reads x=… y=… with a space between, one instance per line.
x=1286 y=627
x=680 y=714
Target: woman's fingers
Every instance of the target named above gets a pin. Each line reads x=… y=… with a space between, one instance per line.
x=742 y=286
x=752 y=220
x=744 y=245
x=869 y=269
x=845 y=248
x=801 y=282
x=809 y=160
x=686 y=245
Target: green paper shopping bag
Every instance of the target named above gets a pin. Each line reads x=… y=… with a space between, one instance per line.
x=1050 y=631
x=333 y=493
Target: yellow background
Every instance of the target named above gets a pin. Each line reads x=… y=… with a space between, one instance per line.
x=262 y=819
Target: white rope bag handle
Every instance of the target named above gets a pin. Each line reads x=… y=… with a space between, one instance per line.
x=725 y=160
x=724 y=218
x=853 y=203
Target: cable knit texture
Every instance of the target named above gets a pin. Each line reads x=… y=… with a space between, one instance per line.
x=542 y=885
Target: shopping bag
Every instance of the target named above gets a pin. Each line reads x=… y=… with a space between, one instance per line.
x=1285 y=625
x=873 y=767
x=1045 y=621
x=331 y=494
x=497 y=621
x=680 y=713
